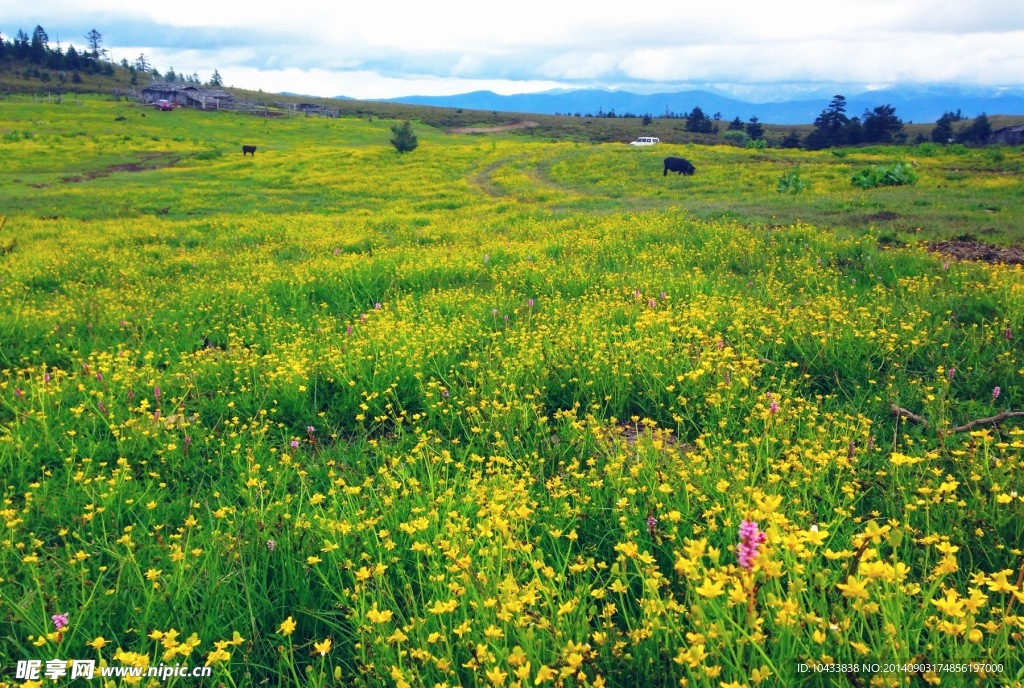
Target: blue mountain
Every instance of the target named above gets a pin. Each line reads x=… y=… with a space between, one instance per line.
x=912 y=103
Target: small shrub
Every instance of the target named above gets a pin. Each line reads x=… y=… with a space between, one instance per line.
x=897 y=174
x=757 y=144
x=404 y=140
x=994 y=154
x=927 y=150
x=791 y=182
x=736 y=138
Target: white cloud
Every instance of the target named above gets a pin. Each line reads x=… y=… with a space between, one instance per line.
x=576 y=66
x=369 y=50
x=369 y=84
x=975 y=59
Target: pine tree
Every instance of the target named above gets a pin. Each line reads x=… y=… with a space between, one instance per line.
x=404 y=140
x=698 y=122
x=754 y=129
x=978 y=132
x=21 y=46
x=943 y=131
x=831 y=126
x=791 y=140
x=94 y=38
x=39 y=45
x=73 y=58
x=215 y=80
x=881 y=125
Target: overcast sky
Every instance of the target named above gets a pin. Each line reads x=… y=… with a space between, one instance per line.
x=368 y=49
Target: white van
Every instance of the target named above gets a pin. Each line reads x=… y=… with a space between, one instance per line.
x=645 y=141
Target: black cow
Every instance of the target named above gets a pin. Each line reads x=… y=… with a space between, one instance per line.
x=680 y=165
x=251 y=150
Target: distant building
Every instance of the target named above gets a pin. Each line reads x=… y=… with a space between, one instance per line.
x=187 y=95
x=1009 y=136
x=161 y=91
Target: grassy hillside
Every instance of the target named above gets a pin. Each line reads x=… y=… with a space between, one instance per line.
x=501 y=411
x=25 y=78
x=73 y=161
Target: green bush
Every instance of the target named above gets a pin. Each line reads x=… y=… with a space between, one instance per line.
x=994 y=154
x=791 y=182
x=897 y=174
x=736 y=138
x=757 y=144
x=404 y=140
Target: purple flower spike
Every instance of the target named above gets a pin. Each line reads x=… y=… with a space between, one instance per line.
x=751 y=539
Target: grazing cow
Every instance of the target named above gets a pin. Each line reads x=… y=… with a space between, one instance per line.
x=251 y=150
x=680 y=165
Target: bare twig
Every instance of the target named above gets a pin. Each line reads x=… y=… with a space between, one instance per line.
x=901 y=412
x=993 y=420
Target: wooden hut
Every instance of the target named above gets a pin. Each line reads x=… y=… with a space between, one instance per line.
x=1009 y=136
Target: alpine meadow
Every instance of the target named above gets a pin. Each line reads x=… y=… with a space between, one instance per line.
x=504 y=410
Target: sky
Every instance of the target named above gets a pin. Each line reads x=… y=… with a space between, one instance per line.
x=753 y=50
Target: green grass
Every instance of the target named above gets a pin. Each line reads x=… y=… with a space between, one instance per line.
x=492 y=412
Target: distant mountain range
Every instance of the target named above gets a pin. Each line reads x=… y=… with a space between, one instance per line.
x=913 y=104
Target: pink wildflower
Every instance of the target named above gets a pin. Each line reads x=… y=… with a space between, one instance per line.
x=751 y=539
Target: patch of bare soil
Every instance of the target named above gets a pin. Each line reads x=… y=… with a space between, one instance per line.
x=151 y=161
x=975 y=250
x=518 y=124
